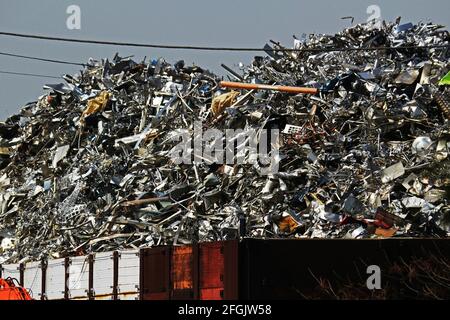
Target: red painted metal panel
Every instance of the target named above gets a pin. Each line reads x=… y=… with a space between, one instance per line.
x=182 y=272
x=218 y=270
x=211 y=269
x=155 y=274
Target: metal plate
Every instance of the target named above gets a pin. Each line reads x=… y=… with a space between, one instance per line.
x=78 y=277
x=212 y=267
x=103 y=275
x=218 y=270
x=128 y=280
x=54 y=281
x=155 y=279
x=32 y=279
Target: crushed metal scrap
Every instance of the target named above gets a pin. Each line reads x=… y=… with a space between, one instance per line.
x=86 y=168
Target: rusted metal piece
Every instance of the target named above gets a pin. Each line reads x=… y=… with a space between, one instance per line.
x=254 y=86
x=140 y=202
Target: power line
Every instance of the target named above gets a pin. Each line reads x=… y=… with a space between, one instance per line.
x=29 y=74
x=179 y=47
x=40 y=59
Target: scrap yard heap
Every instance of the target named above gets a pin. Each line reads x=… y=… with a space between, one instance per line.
x=88 y=167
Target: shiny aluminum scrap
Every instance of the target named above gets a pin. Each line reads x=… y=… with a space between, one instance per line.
x=87 y=167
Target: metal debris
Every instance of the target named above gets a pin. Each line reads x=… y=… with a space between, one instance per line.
x=88 y=167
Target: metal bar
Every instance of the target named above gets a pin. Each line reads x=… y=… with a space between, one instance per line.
x=142 y=253
x=255 y=86
x=143 y=201
x=43 y=280
x=116 y=275
x=232 y=72
x=66 y=278
x=22 y=274
x=91 y=292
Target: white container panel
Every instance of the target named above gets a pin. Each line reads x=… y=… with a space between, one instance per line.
x=78 y=277
x=32 y=279
x=128 y=273
x=11 y=270
x=54 y=280
x=103 y=275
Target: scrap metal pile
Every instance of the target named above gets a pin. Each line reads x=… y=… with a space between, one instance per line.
x=88 y=167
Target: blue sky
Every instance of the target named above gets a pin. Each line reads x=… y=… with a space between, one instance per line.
x=249 y=23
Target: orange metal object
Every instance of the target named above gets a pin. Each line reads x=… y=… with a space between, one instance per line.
x=254 y=86
x=9 y=291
